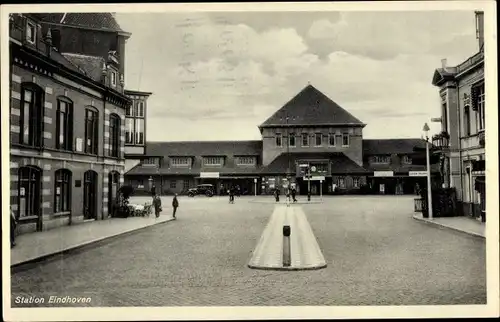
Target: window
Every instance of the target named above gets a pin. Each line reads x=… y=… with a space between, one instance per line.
x=180 y=161
x=213 y=160
x=153 y=161
x=467 y=128
x=64 y=127
x=331 y=139
x=31 y=115
x=114 y=135
x=129 y=131
x=62 y=194
x=278 y=139
x=139 y=131
x=292 y=139
x=321 y=167
x=29 y=191
x=444 y=113
x=345 y=139
x=341 y=182
x=129 y=111
x=380 y=159
x=246 y=161
x=140 y=183
x=113 y=78
x=31 y=32
x=139 y=109
x=305 y=139
x=91 y=131
x=355 y=182
x=406 y=159
x=480 y=108
x=318 y=139
x=173 y=184
x=185 y=184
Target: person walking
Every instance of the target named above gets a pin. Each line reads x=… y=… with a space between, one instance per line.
x=175 y=205
x=13 y=225
x=231 y=194
x=294 y=193
x=157 y=205
x=277 y=195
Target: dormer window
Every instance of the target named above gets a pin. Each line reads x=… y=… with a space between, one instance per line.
x=31 y=32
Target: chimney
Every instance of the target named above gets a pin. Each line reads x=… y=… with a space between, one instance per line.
x=480 y=28
x=443 y=62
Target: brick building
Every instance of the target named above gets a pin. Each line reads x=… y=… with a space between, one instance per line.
x=67 y=114
x=462 y=137
x=309 y=130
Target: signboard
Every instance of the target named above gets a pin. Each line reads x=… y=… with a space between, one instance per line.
x=21 y=191
x=255 y=180
x=417 y=173
x=313 y=169
x=316 y=178
x=436 y=119
x=303 y=165
x=209 y=174
x=58 y=190
x=383 y=173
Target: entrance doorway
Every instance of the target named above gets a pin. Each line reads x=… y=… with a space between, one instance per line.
x=113 y=182
x=29 y=195
x=89 y=195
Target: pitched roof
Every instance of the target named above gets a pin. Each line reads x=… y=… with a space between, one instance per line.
x=204 y=148
x=443 y=74
x=400 y=168
x=102 y=20
x=341 y=163
x=311 y=107
x=391 y=146
x=91 y=65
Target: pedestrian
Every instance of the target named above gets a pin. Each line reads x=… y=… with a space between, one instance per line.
x=175 y=205
x=231 y=194
x=238 y=191
x=13 y=225
x=288 y=197
x=157 y=205
x=294 y=193
x=277 y=195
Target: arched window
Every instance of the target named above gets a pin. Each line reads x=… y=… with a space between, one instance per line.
x=114 y=135
x=31 y=115
x=91 y=130
x=62 y=193
x=467 y=120
x=29 y=191
x=64 y=121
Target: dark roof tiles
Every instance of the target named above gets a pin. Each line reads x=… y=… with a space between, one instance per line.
x=311 y=107
x=94 y=20
x=91 y=65
x=391 y=146
x=204 y=148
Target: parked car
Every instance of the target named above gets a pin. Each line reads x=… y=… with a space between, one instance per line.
x=202 y=189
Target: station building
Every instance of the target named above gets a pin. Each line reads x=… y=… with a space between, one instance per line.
x=461 y=142
x=67 y=115
x=310 y=142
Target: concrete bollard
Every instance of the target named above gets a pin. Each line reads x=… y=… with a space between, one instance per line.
x=287 y=260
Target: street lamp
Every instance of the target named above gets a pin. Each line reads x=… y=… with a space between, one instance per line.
x=428 y=164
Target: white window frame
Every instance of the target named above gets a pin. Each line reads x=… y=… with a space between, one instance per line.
x=406 y=159
x=243 y=161
x=113 y=78
x=180 y=162
x=341 y=182
x=140 y=109
x=139 y=130
x=330 y=136
x=212 y=161
x=481 y=100
x=355 y=182
x=316 y=135
x=344 y=135
x=28 y=25
x=278 y=135
x=130 y=128
x=290 y=135
x=304 y=135
x=377 y=159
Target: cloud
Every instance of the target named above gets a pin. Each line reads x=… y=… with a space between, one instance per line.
x=218 y=76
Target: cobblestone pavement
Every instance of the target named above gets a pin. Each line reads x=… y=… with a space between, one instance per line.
x=377 y=254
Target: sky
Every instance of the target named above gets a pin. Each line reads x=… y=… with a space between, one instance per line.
x=217 y=76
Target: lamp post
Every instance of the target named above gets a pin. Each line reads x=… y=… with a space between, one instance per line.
x=428 y=164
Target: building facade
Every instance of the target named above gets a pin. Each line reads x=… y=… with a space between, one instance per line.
x=135 y=128
x=67 y=117
x=462 y=140
x=311 y=143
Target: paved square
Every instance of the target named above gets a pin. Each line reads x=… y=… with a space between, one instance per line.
x=376 y=255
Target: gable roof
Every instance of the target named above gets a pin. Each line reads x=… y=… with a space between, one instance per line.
x=391 y=146
x=443 y=74
x=311 y=107
x=104 y=21
x=91 y=65
x=204 y=148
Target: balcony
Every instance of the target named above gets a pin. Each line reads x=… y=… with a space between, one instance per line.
x=441 y=141
x=472 y=61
